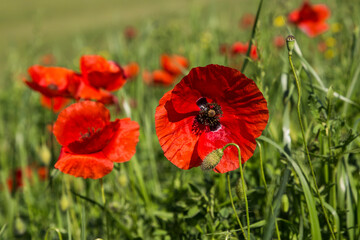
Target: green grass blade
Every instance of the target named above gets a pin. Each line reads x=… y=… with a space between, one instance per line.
x=310 y=201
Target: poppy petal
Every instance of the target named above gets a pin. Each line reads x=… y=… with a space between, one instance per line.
x=123 y=144
x=56 y=103
x=313 y=29
x=228 y=133
x=77 y=119
x=174 y=64
x=93 y=166
x=176 y=135
x=94 y=141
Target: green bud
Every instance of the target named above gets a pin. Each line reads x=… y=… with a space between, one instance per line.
x=290 y=43
x=240 y=189
x=212 y=159
x=330 y=94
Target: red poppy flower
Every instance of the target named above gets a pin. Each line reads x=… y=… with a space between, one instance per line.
x=55 y=104
x=100 y=73
x=210 y=107
x=158 y=77
x=48 y=59
x=311 y=18
x=131 y=70
x=90 y=142
x=174 y=64
x=53 y=81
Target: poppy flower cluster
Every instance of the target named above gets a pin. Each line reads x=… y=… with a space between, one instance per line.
x=172 y=66
x=209 y=108
x=91 y=143
x=97 y=79
x=310 y=18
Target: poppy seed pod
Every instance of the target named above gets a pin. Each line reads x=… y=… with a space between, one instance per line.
x=290 y=43
x=212 y=160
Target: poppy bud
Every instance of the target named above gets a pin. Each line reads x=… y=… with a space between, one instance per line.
x=290 y=42
x=64 y=202
x=240 y=189
x=212 y=159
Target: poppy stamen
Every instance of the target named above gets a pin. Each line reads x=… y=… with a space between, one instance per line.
x=209 y=114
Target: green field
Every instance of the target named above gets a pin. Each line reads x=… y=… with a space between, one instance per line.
x=148 y=197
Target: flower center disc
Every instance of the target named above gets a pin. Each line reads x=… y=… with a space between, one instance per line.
x=209 y=114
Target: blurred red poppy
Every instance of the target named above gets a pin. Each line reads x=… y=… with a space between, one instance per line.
x=53 y=81
x=100 y=73
x=247 y=20
x=90 y=142
x=131 y=70
x=130 y=32
x=279 y=41
x=16 y=180
x=174 y=64
x=310 y=18
x=158 y=77
x=242 y=48
x=210 y=107
x=55 y=104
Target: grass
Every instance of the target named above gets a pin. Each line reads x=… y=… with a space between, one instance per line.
x=148 y=197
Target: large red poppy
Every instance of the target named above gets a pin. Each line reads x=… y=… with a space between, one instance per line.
x=100 y=73
x=91 y=143
x=311 y=18
x=53 y=81
x=210 y=107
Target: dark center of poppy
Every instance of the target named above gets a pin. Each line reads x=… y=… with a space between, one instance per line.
x=209 y=114
x=89 y=133
x=52 y=86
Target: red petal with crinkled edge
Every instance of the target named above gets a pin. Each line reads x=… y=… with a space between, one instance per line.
x=122 y=146
x=213 y=82
x=100 y=73
x=175 y=133
x=94 y=141
x=94 y=166
x=77 y=119
x=231 y=131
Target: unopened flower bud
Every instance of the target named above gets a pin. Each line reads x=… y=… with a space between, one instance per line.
x=290 y=42
x=240 y=189
x=212 y=159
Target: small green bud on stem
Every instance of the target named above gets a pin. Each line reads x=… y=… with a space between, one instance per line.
x=212 y=159
x=290 y=43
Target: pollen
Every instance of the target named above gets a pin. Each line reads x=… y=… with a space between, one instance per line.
x=209 y=114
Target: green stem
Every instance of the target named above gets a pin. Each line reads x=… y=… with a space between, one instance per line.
x=252 y=37
x=243 y=185
x=104 y=204
x=233 y=206
x=264 y=181
x=306 y=148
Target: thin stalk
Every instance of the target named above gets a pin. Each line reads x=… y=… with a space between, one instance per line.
x=265 y=185
x=52 y=146
x=252 y=37
x=233 y=206
x=104 y=204
x=305 y=144
x=243 y=185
